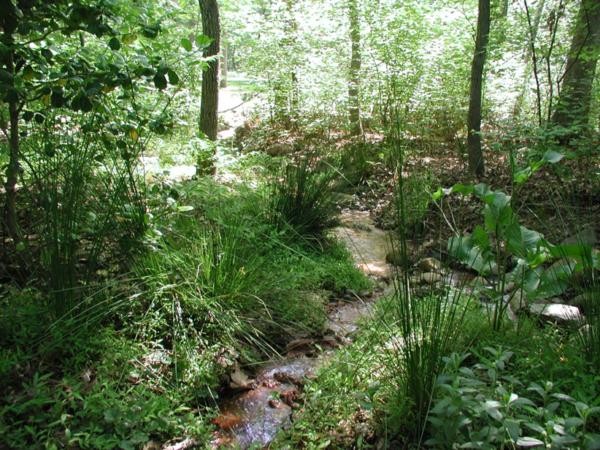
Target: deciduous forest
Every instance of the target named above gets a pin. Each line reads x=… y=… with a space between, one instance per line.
x=299 y=224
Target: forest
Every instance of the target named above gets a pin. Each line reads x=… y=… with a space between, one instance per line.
x=299 y=224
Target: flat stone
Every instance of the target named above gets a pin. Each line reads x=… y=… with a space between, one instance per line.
x=416 y=281
x=565 y=315
x=517 y=301
x=430 y=265
x=431 y=278
x=395 y=257
x=279 y=150
x=508 y=287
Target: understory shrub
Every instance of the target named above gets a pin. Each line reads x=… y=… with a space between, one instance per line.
x=479 y=407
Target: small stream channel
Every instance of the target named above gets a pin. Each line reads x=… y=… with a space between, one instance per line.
x=254 y=417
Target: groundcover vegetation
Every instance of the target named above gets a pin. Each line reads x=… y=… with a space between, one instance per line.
x=149 y=264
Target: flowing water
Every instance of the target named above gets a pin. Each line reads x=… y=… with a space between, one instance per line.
x=254 y=417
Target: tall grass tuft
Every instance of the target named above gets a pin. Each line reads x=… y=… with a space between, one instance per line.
x=303 y=198
x=207 y=279
x=421 y=327
x=86 y=206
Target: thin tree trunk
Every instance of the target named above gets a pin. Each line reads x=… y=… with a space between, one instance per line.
x=576 y=90
x=531 y=54
x=476 y=163
x=211 y=27
x=224 y=67
x=355 y=63
x=8 y=23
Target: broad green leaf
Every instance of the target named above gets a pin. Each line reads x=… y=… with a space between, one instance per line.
x=160 y=81
x=186 y=44
x=593 y=441
x=473 y=251
x=535 y=427
x=114 y=44
x=129 y=39
x=553 y=157
x=512 y=426
x=529 y=442
x=203 y=41
x=573 y=422
x=173 y=78
x=498 y=212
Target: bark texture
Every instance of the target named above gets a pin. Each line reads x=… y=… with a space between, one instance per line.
x=9 y=23
x=476 y=163
x=355 y=63
x=211 y=27
x=576 y=89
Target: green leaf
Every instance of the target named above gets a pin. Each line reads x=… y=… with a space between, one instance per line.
x=498 y=212
x=21 y=246
x=593 y=441
x=160 y=81
x=173 y=78
x=529 y=442
x=186 y=44
x=512 y=426
x=520 y=241
x=114 y=44
x=535 y=427
x=553 y=157
x=81 y=102
x=151 y=31
x=473 y=251
x=573 y=422
x=203 y=41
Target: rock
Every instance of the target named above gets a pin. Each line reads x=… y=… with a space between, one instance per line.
x=558 y=313
x=584 y=301
x=395 y=257
x=431 y=278
x=517 y=301
x=279 y=150
x=416 y=281
x=430 y=265
x=480 y=281
x=583 y=237
x=508 y=287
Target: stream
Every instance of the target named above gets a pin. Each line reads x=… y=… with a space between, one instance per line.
x=254 y=417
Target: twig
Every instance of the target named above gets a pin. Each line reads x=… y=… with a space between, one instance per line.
x=245 y=101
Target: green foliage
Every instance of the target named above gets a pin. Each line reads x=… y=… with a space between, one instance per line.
x=529 y=247
x=302 y=198
x=479 y=408
x=49 y=413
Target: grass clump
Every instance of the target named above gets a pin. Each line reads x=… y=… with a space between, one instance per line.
x=302 y=198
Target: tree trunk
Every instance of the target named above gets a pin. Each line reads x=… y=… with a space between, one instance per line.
x=476 y=164
x=355 y=63
x=9 y=25
x=530 y=54
x=224 y=66
x=211 y=27
x=576 y=92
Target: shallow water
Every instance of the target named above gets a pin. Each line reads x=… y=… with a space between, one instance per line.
x=257 y=415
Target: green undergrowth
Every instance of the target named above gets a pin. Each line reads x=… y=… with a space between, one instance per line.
x=361 y=398
x=222 y=282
